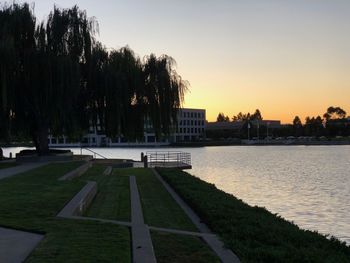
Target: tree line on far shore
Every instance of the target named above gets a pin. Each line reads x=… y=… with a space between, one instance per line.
x=56 y=77
x=334 y=122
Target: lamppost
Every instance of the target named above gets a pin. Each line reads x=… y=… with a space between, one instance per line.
x=267 y=130
x=257 y=121
x=248 y=131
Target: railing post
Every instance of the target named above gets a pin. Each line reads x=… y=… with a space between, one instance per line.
x=142 y=156
x=145 y=163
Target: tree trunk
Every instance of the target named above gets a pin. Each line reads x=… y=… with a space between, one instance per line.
x=40 y=139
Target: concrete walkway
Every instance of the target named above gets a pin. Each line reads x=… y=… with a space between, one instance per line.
x=7 y=172
x=142 y=248
x=225 y=255
x=15 y=246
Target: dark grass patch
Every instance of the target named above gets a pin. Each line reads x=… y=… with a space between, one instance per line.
x=159 y=208
x=113 y=195
x=4 y=165
x=31 y=201
x=84 y=241
x=253 y=233
x=181 y=249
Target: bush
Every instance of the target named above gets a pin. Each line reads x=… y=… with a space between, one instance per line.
x=253 y=233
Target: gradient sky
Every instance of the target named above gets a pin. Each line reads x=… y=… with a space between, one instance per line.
x=285 y=57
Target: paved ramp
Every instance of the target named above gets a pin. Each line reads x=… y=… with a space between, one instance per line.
x=7 y=172
x=15 y=246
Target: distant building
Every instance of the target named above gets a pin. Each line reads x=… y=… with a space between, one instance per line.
x=190 y=126
x=237 y=125
x=235 y=128
x=271 y=124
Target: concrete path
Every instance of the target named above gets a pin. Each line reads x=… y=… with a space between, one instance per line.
x=226 y=255
x=80 y=201
x=108 y=170
x=7 y=172
x=180 y=232
x=76 y=172
x=15 y=246
x=142 y=248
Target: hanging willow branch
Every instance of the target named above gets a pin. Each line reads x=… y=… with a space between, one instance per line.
x=56 y=77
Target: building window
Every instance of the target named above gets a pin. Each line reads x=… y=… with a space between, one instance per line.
x=151 y=138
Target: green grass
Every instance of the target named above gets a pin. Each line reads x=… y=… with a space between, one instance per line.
x=113 y=197
x=31 y=201
x=253 y=233
x=159 y=208
x=181 y=249
x=4 y=165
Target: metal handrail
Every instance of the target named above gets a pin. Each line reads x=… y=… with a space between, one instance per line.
x=95 y=153
x=168 y=158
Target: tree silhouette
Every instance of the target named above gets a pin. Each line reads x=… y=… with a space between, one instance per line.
x=256 y=115
x=222 y=118
x=56 y=77
x=334 y=113
x=297 y=122
x=241 y=117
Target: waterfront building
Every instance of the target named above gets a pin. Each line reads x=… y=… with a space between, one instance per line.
x=234 y=129
x=190 y=126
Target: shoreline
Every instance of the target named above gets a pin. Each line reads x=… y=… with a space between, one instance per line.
x=199 y=144
x=252 y=233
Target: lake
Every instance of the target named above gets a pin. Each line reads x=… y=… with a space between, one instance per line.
x=309 y=185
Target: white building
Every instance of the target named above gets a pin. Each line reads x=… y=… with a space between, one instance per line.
x=190 y=127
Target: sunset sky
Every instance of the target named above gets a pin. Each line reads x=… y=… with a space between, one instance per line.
x=285 y=57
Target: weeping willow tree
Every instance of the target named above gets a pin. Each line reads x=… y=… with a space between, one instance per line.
x=125 y=92
x=54 y=77
x=17 y=28
x=42 y=73
x=164 y=92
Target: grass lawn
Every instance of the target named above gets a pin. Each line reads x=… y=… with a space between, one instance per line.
x=113 y=197
x=31 y=201
x=253 y=233
x=159 y=208
x=181 y=249
x=4 y=165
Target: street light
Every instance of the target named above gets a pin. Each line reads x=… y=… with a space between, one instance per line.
x=248 y=130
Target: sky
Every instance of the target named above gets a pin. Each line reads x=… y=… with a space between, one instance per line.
x=283 y=57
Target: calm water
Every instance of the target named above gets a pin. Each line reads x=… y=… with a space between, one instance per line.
x=309 y=185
